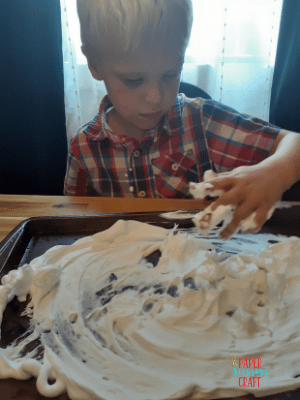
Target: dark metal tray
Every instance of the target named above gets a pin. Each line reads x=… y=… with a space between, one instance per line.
x=34 y=236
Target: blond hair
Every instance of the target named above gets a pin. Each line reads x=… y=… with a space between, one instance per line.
x=128 y=21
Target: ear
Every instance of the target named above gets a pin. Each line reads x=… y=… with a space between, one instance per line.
x=94 y=72
x=92 y=66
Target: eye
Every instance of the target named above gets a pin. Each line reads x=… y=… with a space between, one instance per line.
x=133 y=82
x=169 y=77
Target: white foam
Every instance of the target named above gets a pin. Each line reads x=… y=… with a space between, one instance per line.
x=147 y=345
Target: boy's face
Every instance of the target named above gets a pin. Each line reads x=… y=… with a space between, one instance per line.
x=142 y=86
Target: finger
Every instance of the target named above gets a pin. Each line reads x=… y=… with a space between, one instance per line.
x=232 y=197
x=225 y=173
x=222 y=183
x=259 y=219
x=240 y=214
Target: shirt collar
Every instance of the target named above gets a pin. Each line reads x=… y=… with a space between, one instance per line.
x=99 y=129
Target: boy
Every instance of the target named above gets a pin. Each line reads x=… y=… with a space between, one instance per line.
x=148 y=142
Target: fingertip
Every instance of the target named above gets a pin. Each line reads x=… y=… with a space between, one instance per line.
x=225 y=234
x=249 y=230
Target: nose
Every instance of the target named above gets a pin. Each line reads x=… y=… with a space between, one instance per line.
x=154 y=94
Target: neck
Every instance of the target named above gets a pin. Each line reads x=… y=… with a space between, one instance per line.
x=123 y=128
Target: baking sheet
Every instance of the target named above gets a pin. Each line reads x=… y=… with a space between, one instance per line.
x=34 y=236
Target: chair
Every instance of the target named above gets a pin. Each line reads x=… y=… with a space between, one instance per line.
x=192 y=91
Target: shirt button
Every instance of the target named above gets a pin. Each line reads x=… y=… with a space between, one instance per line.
x=131 y=189
x=136 y=153
x=141 y=194
x=175 y=167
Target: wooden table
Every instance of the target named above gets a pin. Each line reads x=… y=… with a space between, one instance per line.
x=16 y=208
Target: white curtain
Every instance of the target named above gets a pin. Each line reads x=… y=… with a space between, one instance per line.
x=231 y=56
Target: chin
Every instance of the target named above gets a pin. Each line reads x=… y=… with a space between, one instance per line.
x=149 y=127
x=150 y=124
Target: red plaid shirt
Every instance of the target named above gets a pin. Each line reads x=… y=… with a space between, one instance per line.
x=194 y=136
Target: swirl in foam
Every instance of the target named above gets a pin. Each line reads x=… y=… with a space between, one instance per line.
x=112 y=326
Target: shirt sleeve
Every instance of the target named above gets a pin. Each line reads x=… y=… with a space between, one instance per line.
x=235 y=139
x=76 y=182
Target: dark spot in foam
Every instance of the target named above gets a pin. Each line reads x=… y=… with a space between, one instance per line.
x=29 y=347
x=112 y=277
x=273 y=241
x=260 y=304
x=159 y=291
x=159 y=288
x=46 y=331
x=189 y=282
x=144 y=289
x=260 y=292
x=158 y=285
x=108 y=298
x=297 y=376
x=104 y=290
x=230 y=313
x=14 y=324
x=84 y=361
x=172 y=291
x=154 y=257
x=22 y=337
x=39 y=353
x=128 y=288
x=148 y=307
x=11 y=330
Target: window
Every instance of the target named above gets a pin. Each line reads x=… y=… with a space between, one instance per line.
x=231 y=55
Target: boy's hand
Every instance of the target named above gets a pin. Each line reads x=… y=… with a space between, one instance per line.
x=254 y=190
x=251 y=189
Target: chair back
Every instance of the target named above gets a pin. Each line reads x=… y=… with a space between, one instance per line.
x=192 y=91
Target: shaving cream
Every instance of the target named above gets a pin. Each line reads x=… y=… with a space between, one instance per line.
x=140 y=312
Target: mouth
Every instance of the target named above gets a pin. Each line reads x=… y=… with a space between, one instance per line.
x=155 y=115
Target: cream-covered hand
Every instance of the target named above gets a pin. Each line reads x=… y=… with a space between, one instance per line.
x=248 y=199
x=235 y=208
x=248 y=194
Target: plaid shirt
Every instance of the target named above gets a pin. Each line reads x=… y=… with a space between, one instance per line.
x=194 y=136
